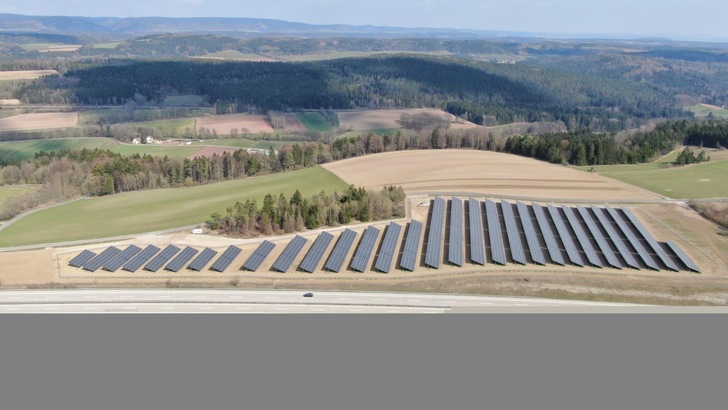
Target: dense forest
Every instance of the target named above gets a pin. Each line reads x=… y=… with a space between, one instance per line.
x=277 y=215
x=484 y=93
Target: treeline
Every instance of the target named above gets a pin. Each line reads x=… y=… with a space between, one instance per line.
x=278 y=215
x=584 y=148
x=484 y=93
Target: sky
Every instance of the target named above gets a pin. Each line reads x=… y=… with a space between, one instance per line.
x=676 y=19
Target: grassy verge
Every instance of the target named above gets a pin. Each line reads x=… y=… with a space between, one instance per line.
x=145 y=211
x=7 y=192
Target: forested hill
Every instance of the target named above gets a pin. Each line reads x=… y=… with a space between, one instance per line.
x=485 y=93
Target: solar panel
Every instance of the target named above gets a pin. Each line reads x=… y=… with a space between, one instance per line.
x=202 y=259
x=79 y=260
x=181 y=260
x=477 y=243
x=534 y=246
x=289 y=254
x=455 y=252
x=314 y=255
x=497 y=249
x=684 y=258
x=226 y=259
x=514 y=237
x=616 y=239
x=565 y=236
x=636 y=244
x=142 y=257
x=161 y=259
x=366 y=245
x=434 y=239
x=411 y=246
x=599 y=238
x=99 y=260
x=389 y=248
x=548 y=235
x=651 y=241
x=257 y=258
x=591 y=254
x=341 y=249
x=123 y=257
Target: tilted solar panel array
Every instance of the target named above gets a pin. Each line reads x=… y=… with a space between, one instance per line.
x=548 y=235
x=514 y=237
x=388 y=249
x=256 y=259
x=591 y=254
x=81 y=259
x=161 y=259
x=314 y=255
x=142 y=257
x=498 y=251
x=181 y=260
x=455 y=251
x=565 y=236
x=477 y=242
x=684 y=258
x=601 y=241
x=651 y=241
x=366 y=245
x=341 y=249
x=624 y=251
x=411 y=246
x=289 y=254
x=534 y=246
x=202 y=259
x=123 y=257
x=636 y=244
x=99 y=260
x=226 y=259
x=434 y=238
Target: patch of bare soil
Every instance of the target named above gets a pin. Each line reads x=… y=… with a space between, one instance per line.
x=40 y=121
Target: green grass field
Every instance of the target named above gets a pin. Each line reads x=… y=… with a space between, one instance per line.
x=232 y=55
x=46 y=46
x=21 y=150
x=108 y=46
x=145 y=211
x=174 y=151
x=246 y=143
x=706 y=180
x=313 y=121
x=703 y=111
x=386 y=131
x=170 y=128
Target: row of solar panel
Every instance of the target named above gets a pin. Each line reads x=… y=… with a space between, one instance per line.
x=586 y=236
x=133 y=258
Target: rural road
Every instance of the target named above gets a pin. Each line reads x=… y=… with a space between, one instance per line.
x=237 y=301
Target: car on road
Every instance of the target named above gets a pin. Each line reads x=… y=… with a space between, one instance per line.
x=308 y=295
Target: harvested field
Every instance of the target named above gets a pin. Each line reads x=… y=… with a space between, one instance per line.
x=25 y=75
x=42 y=121
x=386 y=119
x=482 y=172
x=245 y=124
x=210 y=151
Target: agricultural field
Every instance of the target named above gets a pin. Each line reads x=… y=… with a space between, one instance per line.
x=24 y=75
x=388 y=119
x=51 y=47
x=184 y=101
x=144 y=211
x=247 y=143
x=108 y=46
x=706 y=180
x=233 y=55
x=21 y=150
x=314 y=121
x=39 y=121
x=244 y=123
x=703 y=110
x=169 y=128
x=482 y=173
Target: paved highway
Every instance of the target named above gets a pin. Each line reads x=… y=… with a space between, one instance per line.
x=245 y=301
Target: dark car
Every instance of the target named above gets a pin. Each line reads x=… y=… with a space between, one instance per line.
x=308 y=295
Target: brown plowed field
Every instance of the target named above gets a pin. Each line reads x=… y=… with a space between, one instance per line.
x=210 y=151
x=481 y=172
x=293 y=124
x=245 y=123
x=42 y=121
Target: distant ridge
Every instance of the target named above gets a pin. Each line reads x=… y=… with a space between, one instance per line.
x=241 y=26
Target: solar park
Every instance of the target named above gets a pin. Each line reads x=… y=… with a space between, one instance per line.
x=456 y=234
